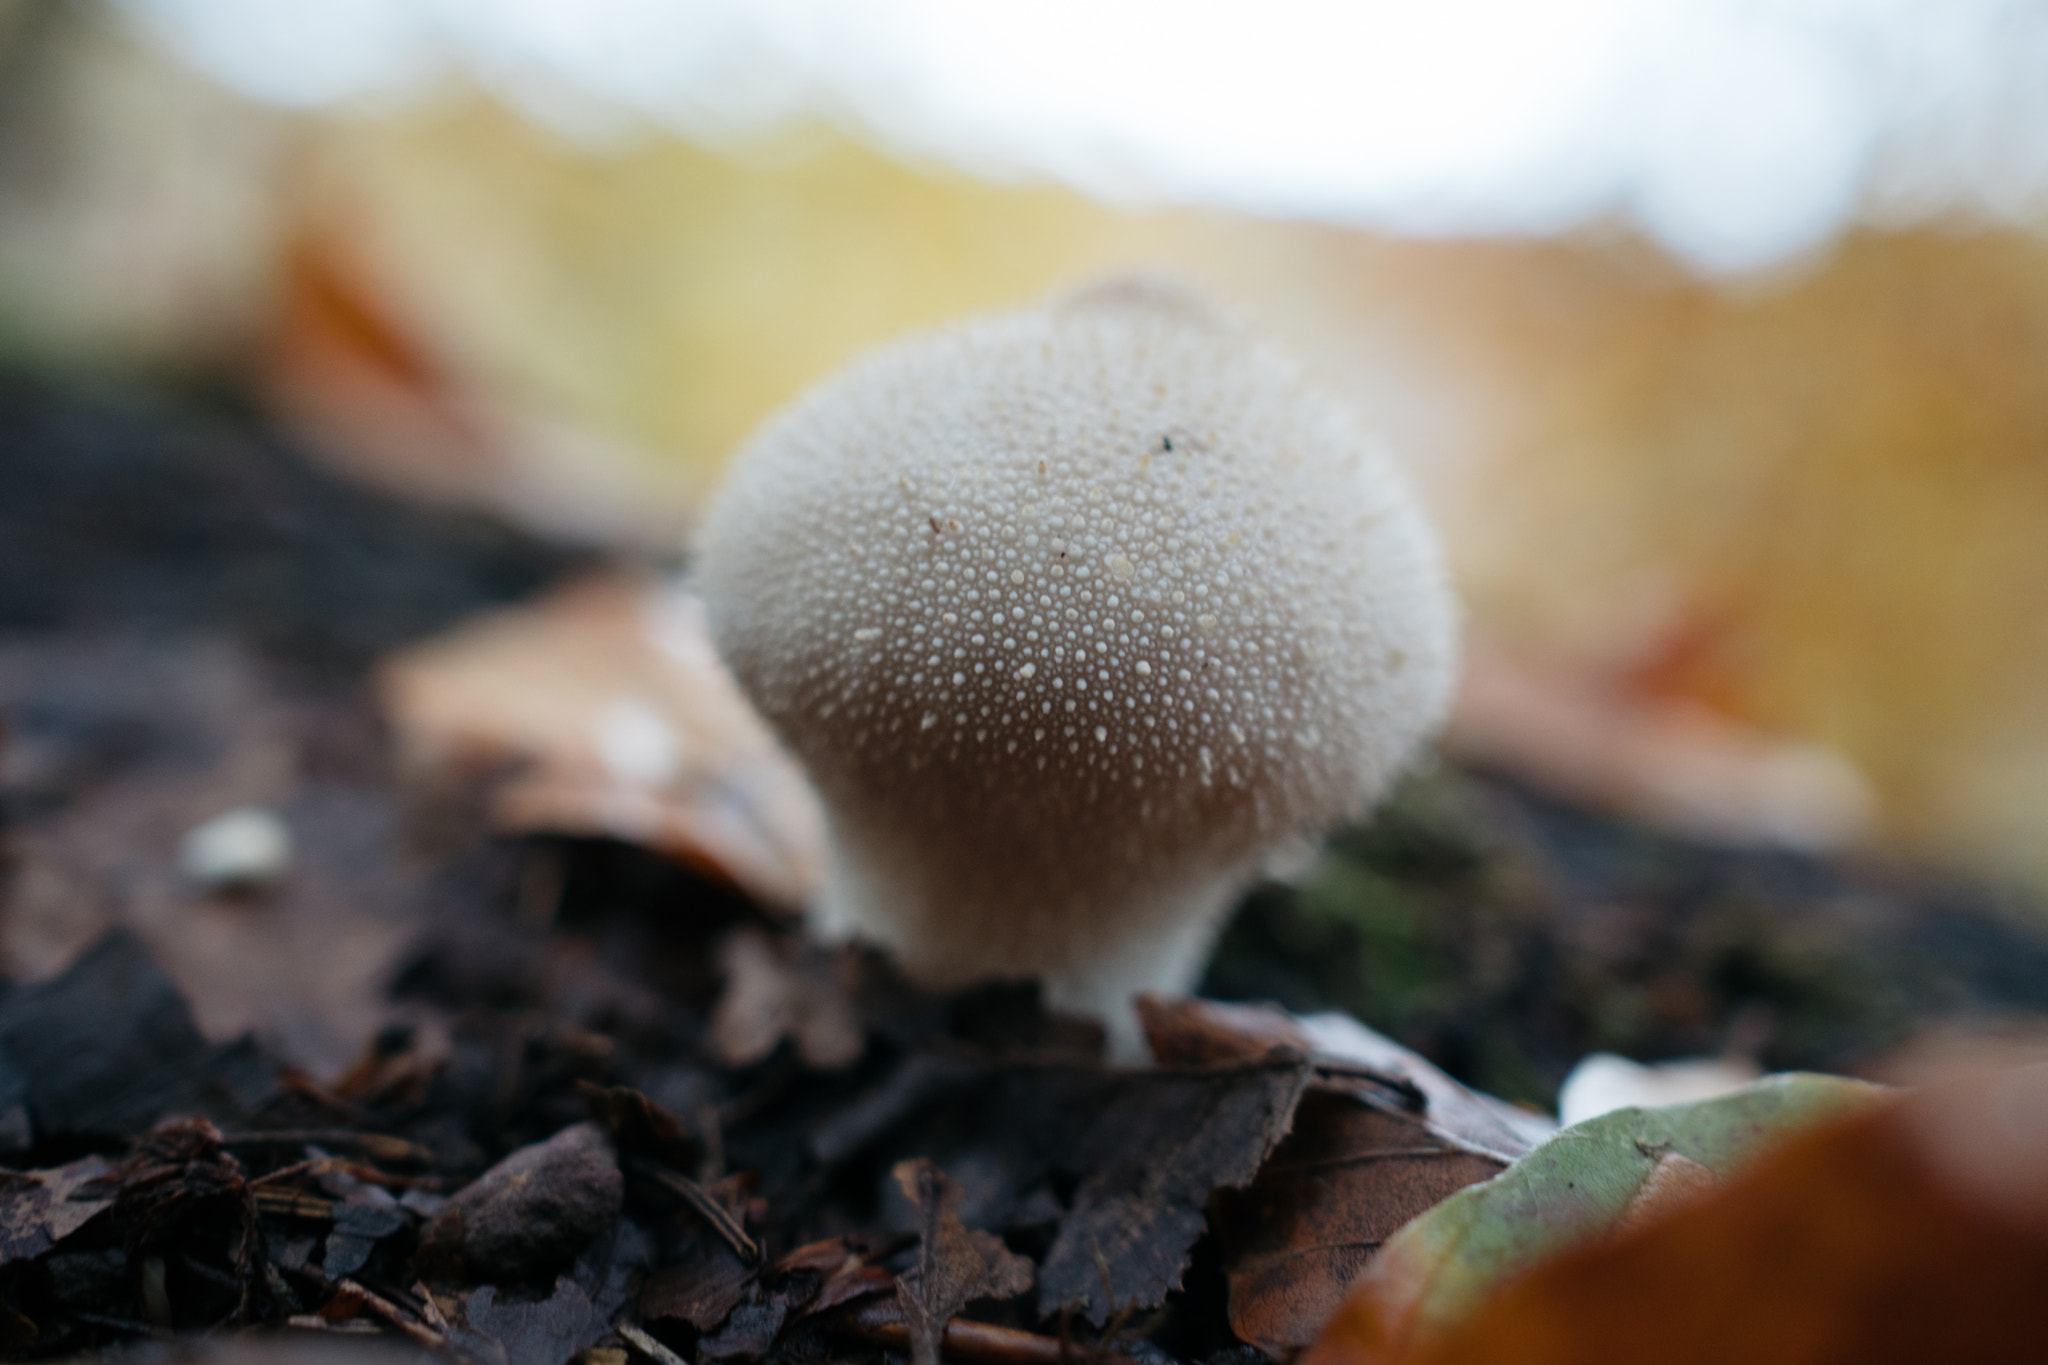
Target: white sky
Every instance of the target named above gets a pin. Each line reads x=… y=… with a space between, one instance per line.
x=1738 y=132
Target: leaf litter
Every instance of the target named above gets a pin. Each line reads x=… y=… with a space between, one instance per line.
x=953 y=1266
x=1902 y=1228
x=1623 y=1169
x=520 y=1058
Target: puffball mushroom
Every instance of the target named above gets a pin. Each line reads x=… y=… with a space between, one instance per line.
x=1075 y=616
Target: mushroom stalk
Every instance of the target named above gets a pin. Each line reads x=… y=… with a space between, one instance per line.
x=1076 y=617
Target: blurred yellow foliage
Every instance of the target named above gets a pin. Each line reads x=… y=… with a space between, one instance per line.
x=670 y=296
x=1818 y=504
x=1812 y=502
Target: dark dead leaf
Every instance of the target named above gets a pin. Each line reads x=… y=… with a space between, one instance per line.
x=548 y=1331
x=613 y=1268
x=640 y=1126
x=1151 y=1148
x=1382 y=1136
x=971 y=1342
x=1350 y=1173
x=1010 y=1019
x=801 y=1276
x=953 y=1267
x=39 y=1209
x=920 y=1079
x=822 y=1257
x=869 y=1281
x=749 y=1330
x=109 y=1046
x=357 y=1230
x=700 y=1289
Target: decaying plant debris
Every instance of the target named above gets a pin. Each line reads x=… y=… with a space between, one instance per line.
x=610 y=1106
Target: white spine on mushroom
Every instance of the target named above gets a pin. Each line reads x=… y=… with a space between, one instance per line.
x=1075 y=615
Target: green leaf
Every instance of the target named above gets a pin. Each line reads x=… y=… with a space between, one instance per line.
x=1583 y=1182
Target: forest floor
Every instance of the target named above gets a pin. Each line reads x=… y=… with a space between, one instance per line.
x=264 y=1109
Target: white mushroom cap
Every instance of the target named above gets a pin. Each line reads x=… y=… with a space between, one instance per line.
x=1075 y=615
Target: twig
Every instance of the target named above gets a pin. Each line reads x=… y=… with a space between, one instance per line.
x=391 y=1313
x=1119 y=1318
x=376 y=1146
x=880 y=1322
x=647 y=1345
x=369 y=1174
x=294 y=1204
x=274 y=1281
x=700 y=1200
x=429 y=1309
x=313 y=1322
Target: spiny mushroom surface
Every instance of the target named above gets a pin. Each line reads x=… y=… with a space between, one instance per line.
x=1075 y=615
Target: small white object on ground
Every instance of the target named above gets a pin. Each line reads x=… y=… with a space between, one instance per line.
x=637 y=744
x=247 y=846
x=1601 y=1082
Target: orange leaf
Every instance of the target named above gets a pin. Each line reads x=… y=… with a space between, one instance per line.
x=609 y=700
x=1913 y=1231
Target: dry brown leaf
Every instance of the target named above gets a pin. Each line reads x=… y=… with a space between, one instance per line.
x=1583 y=731
x=1188 y=1032
x=1352 y=1171
x=622 y=722
x=639 y=1125
x=1908 y=1231
x=749 y=1331
x=1380 y=1137
x=206 y=728
x=702 y=1289
x=953 y=1267
x=1151 y=1150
